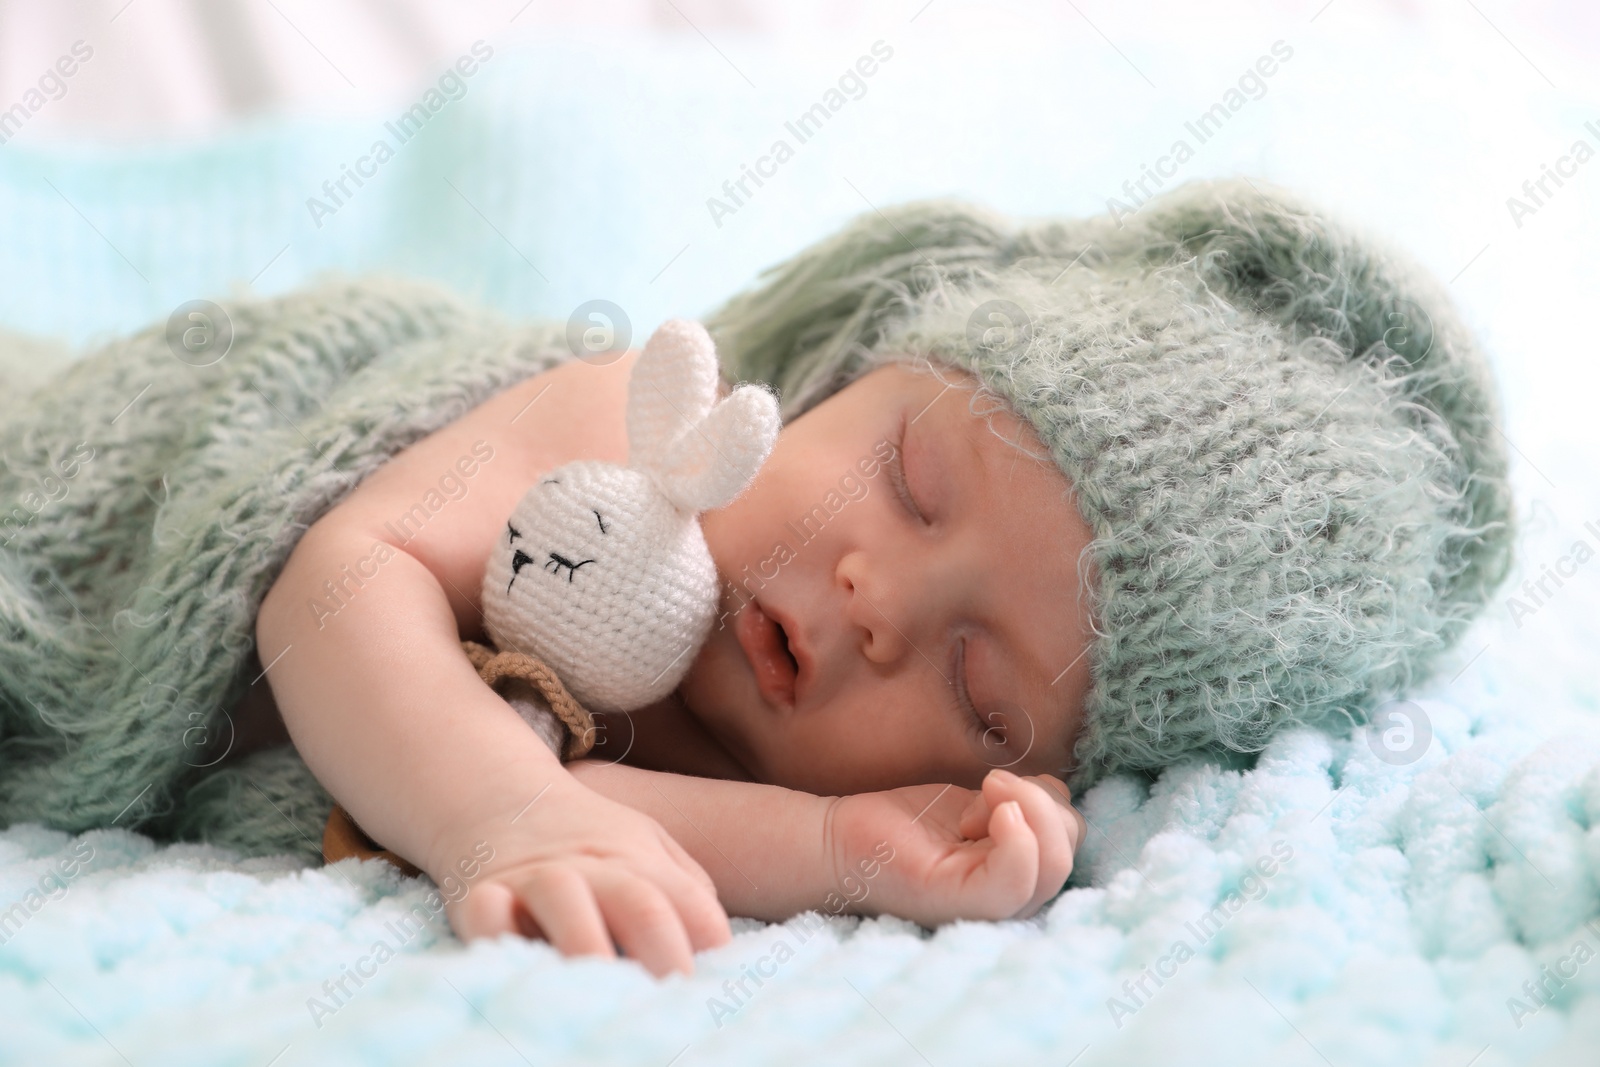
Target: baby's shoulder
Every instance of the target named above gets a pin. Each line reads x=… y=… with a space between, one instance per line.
x=444 y=499
x=574 y=410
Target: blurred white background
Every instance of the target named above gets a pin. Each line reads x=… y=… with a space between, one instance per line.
x=184 y=158
x=171 y=68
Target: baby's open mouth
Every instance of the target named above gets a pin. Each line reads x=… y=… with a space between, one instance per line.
x=766 y=647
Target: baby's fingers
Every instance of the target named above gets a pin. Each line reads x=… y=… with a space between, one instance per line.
x=1077 y=825
x=1010 y=871
x=645 y=923
x=555 y=904
x=488 y=910
x=1053 y=822
x=974 y=822
x=695 y=896
x=563 y=908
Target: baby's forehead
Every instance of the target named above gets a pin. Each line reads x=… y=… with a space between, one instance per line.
x=953 y=399
x=886 y=379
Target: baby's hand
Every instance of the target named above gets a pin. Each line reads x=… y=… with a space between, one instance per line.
x=1000 y=852
x=581 y=871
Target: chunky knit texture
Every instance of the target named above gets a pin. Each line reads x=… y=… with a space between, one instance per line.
x=1278 y=429
x=129 y=588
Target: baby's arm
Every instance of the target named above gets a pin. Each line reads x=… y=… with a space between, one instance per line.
x=382 y=703
x=929 y=853
x=390 y=716
x=763 y=846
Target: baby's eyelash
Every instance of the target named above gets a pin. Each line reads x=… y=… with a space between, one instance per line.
x=962 y=698
x=897 y=471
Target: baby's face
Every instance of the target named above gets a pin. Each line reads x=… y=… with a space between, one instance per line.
x=927 y=635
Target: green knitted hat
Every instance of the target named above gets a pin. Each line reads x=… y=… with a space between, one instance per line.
x=1278 y=429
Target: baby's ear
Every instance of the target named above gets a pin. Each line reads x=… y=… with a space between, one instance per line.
x=673 y=386
x=710 y=467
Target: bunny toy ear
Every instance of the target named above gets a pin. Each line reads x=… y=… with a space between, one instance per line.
x=708 y=468
x=674 y=386
x=702 y=452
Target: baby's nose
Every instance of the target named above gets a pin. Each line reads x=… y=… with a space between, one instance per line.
x=873 y=612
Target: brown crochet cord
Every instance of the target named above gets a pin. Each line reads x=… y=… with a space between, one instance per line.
x=493 y=666
x=343 y=837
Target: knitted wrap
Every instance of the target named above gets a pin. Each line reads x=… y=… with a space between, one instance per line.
x=1278 y=429
x=132 y=565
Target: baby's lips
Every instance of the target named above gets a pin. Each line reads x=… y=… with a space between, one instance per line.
x=761 y=638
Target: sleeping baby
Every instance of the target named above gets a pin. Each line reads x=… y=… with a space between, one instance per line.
x=879 y=689
x=1049 y=503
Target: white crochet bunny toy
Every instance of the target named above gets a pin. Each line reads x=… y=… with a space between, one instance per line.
x=603 y=572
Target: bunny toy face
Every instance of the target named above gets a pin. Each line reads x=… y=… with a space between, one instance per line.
x=602 y=571
x=604 y=581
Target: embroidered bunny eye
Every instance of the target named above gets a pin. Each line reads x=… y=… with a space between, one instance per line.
x=557 y=561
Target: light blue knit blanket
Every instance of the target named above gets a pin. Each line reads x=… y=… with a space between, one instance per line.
x=1326 y=906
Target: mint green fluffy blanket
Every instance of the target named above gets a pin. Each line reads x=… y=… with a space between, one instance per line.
x=148 y=504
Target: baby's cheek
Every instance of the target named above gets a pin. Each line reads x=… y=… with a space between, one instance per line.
x=712 y=687
x=722 y=529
